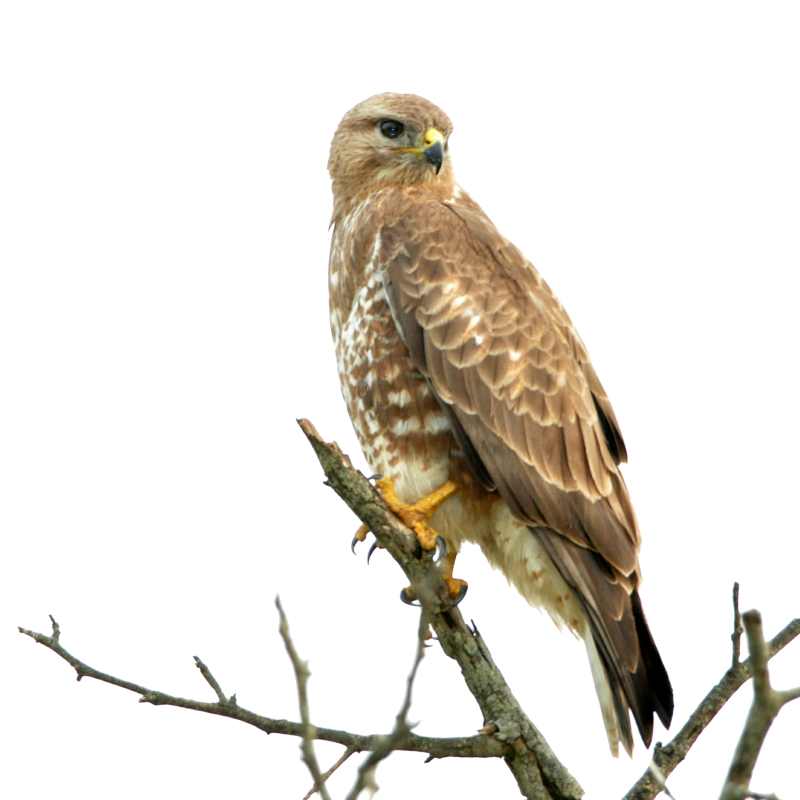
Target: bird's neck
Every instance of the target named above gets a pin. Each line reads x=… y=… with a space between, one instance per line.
x=347 y=195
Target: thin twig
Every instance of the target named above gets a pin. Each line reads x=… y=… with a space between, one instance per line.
x=56 y=631
x=348 y=751
x=766 y=705
x=736 y=636
x=212 y=682
x=366 y=772
x=301 y=674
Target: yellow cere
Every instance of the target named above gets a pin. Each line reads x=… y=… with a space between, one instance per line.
x=432 y=135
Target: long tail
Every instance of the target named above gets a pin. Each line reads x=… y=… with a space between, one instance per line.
x=626 y=666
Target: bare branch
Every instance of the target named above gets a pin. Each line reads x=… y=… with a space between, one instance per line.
x=766 y=705
x=301 y=675
x=434 y=747
x=668 y=757
x=328 y=772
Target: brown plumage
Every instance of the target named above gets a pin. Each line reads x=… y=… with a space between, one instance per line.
x=457 y=362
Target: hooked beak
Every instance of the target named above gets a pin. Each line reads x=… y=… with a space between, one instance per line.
x=431 y=149
x=435 y=155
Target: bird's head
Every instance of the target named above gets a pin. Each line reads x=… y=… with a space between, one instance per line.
x=390 y=140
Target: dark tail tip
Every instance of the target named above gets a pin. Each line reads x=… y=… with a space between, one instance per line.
x=660 y=688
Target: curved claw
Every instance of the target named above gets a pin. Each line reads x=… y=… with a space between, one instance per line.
x=441 y=548
x=373 y=547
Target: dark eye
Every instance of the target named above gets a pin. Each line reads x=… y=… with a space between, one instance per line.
x=391 y=128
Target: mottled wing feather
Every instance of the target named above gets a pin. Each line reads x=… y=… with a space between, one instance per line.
x=532 y=418
x=501 y=352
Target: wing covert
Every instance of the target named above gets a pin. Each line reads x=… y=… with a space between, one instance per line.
x=501 y=353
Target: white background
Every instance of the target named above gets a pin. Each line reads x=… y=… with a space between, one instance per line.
x=163 y=319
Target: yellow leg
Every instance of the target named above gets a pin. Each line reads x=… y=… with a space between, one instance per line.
x=415 y=515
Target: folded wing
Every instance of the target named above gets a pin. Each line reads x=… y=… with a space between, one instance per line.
x=502 y=356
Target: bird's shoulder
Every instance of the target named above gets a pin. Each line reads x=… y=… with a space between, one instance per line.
x=478 y=308
x=447 y=257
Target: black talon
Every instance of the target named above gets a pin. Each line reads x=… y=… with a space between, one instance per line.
x=407 y=596
x=353 y=544
x=373 y=547
x=376 y=477
x=441 y=548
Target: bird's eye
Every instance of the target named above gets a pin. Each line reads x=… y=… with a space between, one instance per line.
x=391 y=128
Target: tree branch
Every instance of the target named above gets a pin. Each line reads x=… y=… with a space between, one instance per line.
x=668 y=757
x=538 y=772
x=435 y=747
x=767 y=703
x=301 y=675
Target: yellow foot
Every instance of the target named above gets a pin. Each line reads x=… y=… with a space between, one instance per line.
x=456 y=588
x=415 y=515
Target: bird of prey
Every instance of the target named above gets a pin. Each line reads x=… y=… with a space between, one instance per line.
x=474 y=398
